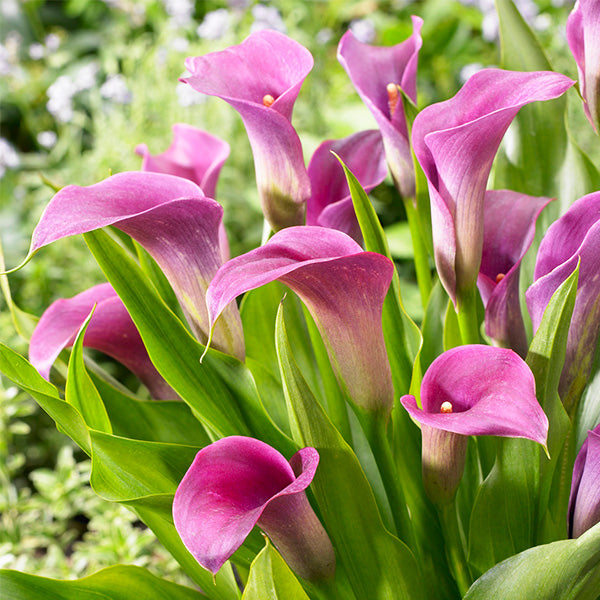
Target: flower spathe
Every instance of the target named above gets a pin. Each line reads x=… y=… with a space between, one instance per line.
x=472 y=390
x=583 y=36
x=584 y=500
x=330 y=203
x=171 y=218
x=571 y=240
x=455 y=142
x=377 y=72
x=261 y=79
x=508 y=231
x=193 y=154
x=110 y=331
x=342 y=286
x=239 y=482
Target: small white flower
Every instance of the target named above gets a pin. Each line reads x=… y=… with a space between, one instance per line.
x=469 y=70
x=85 y=79
x=52 y=42
x=116 y=90
x=46 y=139
x=215 y=24
x=324 y=35
x=180 y=44
x=187 y=95
x=9 y=159
x=267 y=17
x=180 y=11
x=364 y=30
x=36 y=51
x=60 y=95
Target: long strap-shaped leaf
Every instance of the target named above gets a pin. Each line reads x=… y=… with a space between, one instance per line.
x=221 y=389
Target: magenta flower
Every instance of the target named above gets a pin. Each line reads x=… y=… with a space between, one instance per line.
x=110 y=331
x=194 y=154
x=455 y=142
x=584 y=501
x=583 y=36
x=573 y=238
x=330 y=204
x=261 y=78
x=377 y=73
x=171 y=218
x=508 y=230
x=239 y=482
x=472 y=390
x=342 y=287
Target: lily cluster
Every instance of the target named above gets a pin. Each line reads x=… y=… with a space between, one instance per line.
x=404 y=441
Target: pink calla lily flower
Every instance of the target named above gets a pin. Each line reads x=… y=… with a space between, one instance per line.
x=171 y=218
x=455 y=142
x=194 y=154
x=572 y=239
x=377 y=72
x=239 y=482
x=261 y=79
x=472 y=390
x=583 y=36
x=342 y=287
x=508 y=231
x=330 y=204
x=584 y=501
x=110 y=331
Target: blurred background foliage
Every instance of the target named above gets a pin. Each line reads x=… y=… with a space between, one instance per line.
x=82 y=83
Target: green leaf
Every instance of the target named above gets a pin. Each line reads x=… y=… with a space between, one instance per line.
x=23 y=373
x=271 y=578
x=80 y=391
x=569 y=570
x=169 y=421
x=121 y=582
x=546 y=357
x=221 y=390
x=376 y=563
x=538 y=134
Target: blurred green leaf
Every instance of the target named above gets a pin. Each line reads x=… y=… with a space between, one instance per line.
x=122 y=582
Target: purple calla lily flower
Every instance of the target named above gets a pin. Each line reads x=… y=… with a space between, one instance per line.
x=583 y=36
x=330 y=204
x=584 y=501
x=472 y=390
x=455 y=142
x=572 y=239
x=110 y=331
x=508 y=231
x=194 y=154
x=377 y=72
x=171 y=218
x=239 y=482
x=343 y=288
x=261 y=79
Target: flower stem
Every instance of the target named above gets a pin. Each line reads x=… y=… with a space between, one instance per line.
x=467 y=316
x=455 y=547
x=421 y=257
x=374 y=427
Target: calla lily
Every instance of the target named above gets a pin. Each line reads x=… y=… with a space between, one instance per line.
x=584 y=501
x=472 y=390
x=330 y=204
x=343 y=288
x=239 y=482
x=110 y=331
x=171 y=218
x=572 y=239
x=194 y=154
x=261 y=78
x=455 y=143
x=508 y=231
x=377 y=72
x=583 y=36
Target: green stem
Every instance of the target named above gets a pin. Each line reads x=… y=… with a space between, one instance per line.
x=467 y=316
x=421 y=256
x=455 y=547
x=374 y=426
